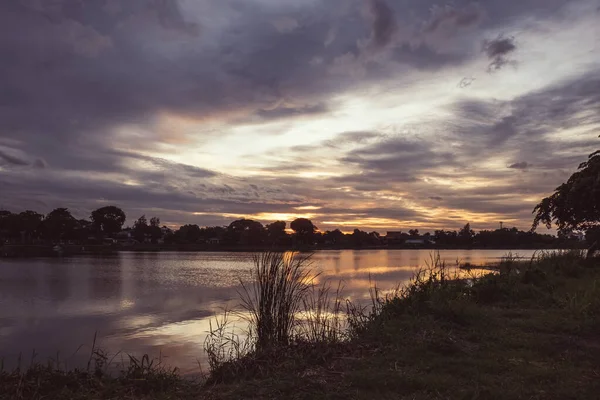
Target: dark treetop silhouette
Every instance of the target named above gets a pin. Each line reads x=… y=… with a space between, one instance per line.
x=575 y=205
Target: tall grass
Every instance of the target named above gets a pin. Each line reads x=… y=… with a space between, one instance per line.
x=323 y=317
x=274 y=297
x=131 y=377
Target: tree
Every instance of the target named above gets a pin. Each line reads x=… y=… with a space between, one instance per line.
x=108 y=220
x=5 y=222
x=154 y=229
x=466 y=234
x=188 y=234
x=575 y=205
x=245 y=231
x=335 y=237
x=29 y=223
x=276 y=232
x=59 y=224
x=140 y=228
x=304 y=229
x=413 y=232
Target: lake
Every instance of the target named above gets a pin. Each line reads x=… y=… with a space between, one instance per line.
x=161 y=303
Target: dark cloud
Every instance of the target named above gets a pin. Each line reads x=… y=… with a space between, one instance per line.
x=384 y=22
x=290 y=112
x=40 y=163
x=497 y=50
x=424 y=57
x=444 y=18
x=524 y=123
x=82 y=81
x=520 y=165
x=11 y=159
x=436 y=198
x=398 y=157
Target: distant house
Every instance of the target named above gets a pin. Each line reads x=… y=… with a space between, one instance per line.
x=213 y=241
x=125 y=237
x=401 y=238
x=125 y=234
x=415 y=242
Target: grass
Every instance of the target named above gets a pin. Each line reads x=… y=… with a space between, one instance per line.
x=143 y=378
x=279 y=286
x=531 y=330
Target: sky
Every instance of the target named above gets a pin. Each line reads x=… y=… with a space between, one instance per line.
x=371 y=114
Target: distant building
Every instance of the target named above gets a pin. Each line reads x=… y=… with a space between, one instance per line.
x=415 y=242
x=213 y=241
x=401 y=238
x=125 y=234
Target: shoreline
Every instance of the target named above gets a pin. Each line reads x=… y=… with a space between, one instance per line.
x=42 y=251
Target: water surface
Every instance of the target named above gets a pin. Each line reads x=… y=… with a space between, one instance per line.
x=161 y=303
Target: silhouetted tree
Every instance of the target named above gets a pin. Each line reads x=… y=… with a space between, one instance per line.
x=59 y=224
x=304 y=229
x=5 y=221
x=188 y=234
x=30 y=223
x=245 y=231
x=84 y=229
x=466 y=235
x=108 y=220
x=276 y=232
x=413 y=232
x=140 y=228
x=154 y=229
x=335 y=237
x=575 y=205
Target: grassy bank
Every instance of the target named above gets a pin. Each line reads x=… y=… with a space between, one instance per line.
x=529 y=331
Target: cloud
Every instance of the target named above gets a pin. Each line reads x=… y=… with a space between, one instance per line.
x=520 y=165
x=40 y=163
x=99 y=98
x=292 y=112
x=12 y=158
x=497 y=50
x=449 y=18
x=384 y=22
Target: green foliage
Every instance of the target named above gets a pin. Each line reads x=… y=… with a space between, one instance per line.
x=575 y=205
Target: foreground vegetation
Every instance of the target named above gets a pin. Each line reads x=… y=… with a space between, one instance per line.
x=528 y=331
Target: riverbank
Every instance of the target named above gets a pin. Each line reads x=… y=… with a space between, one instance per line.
x=529 y=331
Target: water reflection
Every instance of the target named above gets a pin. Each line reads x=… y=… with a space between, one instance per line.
x=161 y=302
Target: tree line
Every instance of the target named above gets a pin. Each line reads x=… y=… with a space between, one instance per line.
x=60 y=226
x=31 y=227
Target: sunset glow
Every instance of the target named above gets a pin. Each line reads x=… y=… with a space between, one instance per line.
x=172 y=111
